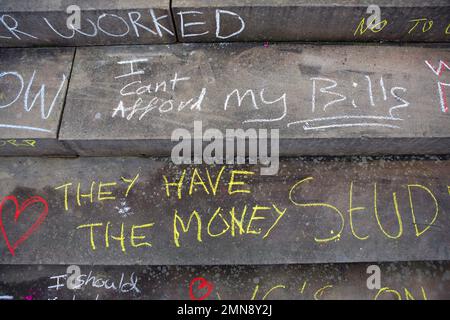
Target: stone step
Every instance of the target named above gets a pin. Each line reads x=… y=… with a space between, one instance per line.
x=310 y=20
x=402 y=280
x=324 y=99
x=105 y=22
x=128 y=211
x=33 y=87
x=85 y=22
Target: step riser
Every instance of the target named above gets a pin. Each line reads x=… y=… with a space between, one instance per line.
x=325 y=100
x=328 y=21
x=305 y=219
x=34 y=148
x=404 y=281
x=287 y=147
x=223 y=21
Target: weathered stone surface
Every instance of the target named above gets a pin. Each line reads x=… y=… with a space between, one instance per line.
x=102 y=22
x=406 y=281
x=311 y=20
x=120 y=211
x=33 y=86
x=326 y=100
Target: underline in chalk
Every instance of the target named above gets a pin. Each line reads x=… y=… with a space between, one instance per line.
x=345 y=118
x=344 y=125
x=11 y=126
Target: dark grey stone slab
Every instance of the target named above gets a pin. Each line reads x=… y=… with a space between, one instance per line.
x=324 y=99
x=310 y=20
x=26 y=23
x=402 y=281
x=33 y=86
x=312 y=211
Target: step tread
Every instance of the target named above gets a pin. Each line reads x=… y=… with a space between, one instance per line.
x=396 y=94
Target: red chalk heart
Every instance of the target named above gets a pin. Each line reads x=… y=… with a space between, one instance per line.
x=19 y=210
x=203 y=283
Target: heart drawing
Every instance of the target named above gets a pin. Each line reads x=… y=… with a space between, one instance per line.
x=18 y=212
x=203 y=283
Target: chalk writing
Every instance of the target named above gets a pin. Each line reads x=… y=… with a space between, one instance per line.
x=397 y=293
x=371 y=25
x=320 y=292
x=441 y=85
x=408 y=281
x=364 y=100
x=232 y=221
x=27 y=143
x=219 y=17
x=336 y=234
x=255 y=219
x=192 y=212
x=24 y=90
x=256 y=105
x=325 y=88
x=128 y=24
x=124 y=284
x=137 y=89
x=99 y=191
x=426 y=24
x=121 y=238
x=416 y=25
